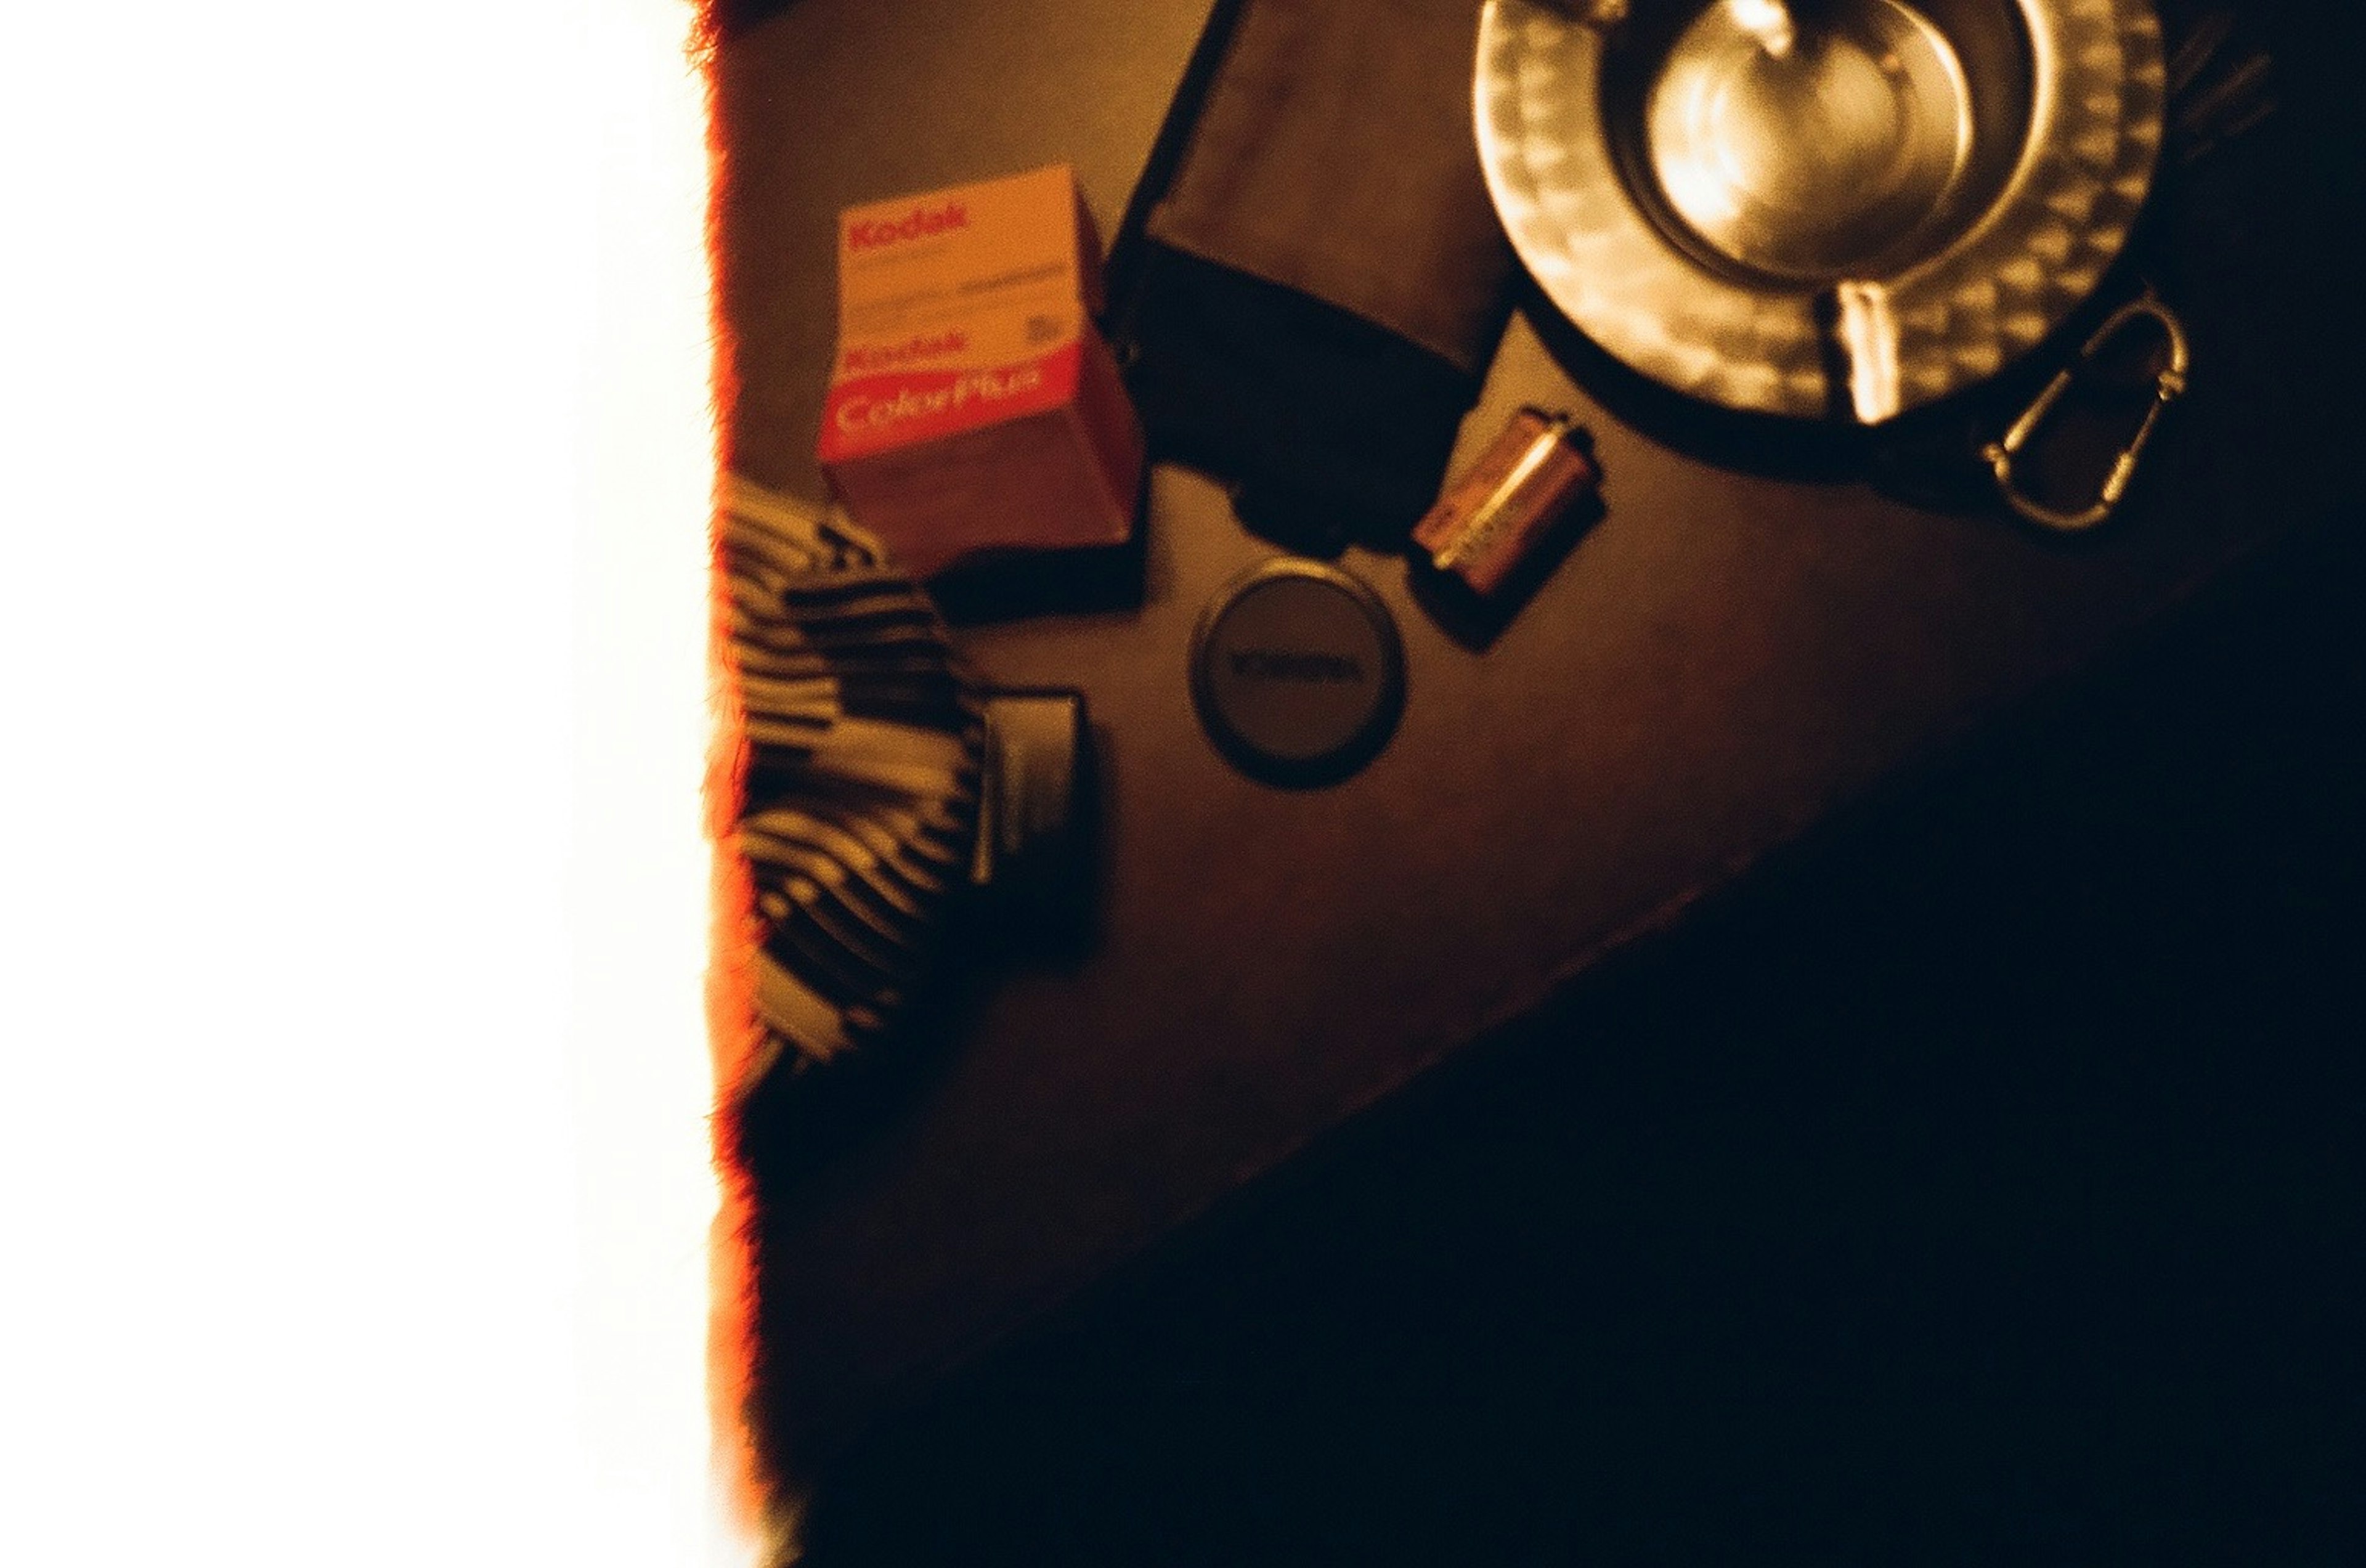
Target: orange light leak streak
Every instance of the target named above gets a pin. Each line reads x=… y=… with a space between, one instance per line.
x=748 y=1492
x=733 y=1036
x=660 y=542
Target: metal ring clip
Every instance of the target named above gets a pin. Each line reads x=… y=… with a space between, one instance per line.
x=2166 y=386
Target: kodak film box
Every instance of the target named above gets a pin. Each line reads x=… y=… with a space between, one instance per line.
x=973 y=404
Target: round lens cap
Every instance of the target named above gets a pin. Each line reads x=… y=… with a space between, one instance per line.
x=1297 y=674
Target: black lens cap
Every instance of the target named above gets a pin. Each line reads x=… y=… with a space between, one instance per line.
x=1297 y=672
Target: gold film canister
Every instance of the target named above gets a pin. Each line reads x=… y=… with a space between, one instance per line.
x=1495 y=513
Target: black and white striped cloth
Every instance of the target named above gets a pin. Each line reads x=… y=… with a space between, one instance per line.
x=859 y=809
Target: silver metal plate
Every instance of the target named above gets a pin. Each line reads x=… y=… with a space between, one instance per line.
x=1819 y=208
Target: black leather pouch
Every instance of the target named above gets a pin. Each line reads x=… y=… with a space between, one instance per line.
x=1310 y=282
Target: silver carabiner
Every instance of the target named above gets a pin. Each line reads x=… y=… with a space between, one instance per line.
x=2166 y=386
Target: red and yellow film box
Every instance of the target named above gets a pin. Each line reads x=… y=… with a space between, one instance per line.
x=973 y=405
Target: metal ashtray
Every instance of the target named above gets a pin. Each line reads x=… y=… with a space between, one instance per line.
x=1820 y=209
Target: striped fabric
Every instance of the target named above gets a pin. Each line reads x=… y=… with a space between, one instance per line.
x=858 y=813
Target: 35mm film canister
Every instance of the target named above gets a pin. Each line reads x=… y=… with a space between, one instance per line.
x=1490 y=518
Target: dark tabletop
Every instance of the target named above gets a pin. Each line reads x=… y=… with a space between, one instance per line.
x=1725 y=660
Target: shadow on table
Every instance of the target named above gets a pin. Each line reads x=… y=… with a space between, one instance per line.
x=1978 y=1184
x=729 y=18
x=1929 y=458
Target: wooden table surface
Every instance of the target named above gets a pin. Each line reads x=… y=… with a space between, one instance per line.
x=1724 y=660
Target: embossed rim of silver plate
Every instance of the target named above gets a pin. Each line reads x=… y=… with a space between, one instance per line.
x=1947 y=321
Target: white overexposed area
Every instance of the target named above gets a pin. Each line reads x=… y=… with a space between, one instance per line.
x=354 y=463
